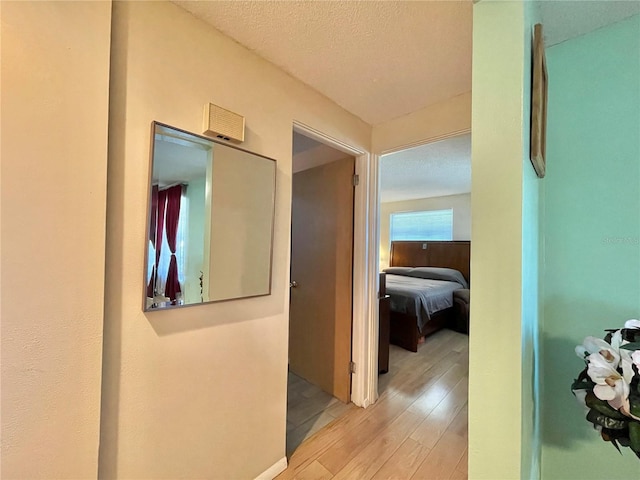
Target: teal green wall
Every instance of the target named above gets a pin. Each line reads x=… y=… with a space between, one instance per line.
x=531 y=315
x=591 y=227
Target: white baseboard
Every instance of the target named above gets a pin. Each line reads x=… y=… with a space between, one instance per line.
x=273 y=471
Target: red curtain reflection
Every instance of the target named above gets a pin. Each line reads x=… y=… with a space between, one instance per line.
x=172 y=217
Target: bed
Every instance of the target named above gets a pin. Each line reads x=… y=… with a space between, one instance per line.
x=420 y=281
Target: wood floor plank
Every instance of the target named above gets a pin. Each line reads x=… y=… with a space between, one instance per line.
x=404 y=461
x=439 y=388
x=458 y=475
x=366 y=463
x=428 y=354
x=442 y=460
x=416 y=378
x=433 y=426
x=315 y=471
x=463 y=464
x=460 y=424
x=315 y=446
x=342 y=451
x=460 y=344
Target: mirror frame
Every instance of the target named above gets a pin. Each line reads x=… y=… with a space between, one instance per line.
x=213 y=141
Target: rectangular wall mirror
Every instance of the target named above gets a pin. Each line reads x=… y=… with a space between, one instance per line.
x=210 y=221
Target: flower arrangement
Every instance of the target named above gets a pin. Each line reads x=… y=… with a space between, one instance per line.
x=609 y=385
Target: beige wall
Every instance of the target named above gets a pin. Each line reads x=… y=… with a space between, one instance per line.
x=55 y=74
x=461 y=205
x=242 y=198
x=198 y=392
x=440 y=120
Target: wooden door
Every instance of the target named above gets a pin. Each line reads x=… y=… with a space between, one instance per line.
x=322 y=269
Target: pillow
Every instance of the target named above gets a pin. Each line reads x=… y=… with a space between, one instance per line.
x=438 y=273
x=398 y=270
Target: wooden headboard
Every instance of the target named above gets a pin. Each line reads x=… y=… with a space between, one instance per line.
x=456 y=254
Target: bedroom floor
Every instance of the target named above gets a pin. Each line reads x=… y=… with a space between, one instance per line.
x=416 y=430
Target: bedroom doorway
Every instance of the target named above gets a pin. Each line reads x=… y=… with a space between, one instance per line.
x=425 y=202
x=425 y=221
x=321 y=293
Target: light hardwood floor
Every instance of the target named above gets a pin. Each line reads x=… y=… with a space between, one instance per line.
x=416 y=430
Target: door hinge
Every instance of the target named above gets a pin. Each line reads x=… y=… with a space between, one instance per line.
x=356 y=180
x=352 y=367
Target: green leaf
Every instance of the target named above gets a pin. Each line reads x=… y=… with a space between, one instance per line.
x=631 y=334
x=631 y=346
x=583 y=382
x=598 y=418
x=615 y=444
x=634 y=405
x=603 y=407
x=582 y=385
x=634 y=436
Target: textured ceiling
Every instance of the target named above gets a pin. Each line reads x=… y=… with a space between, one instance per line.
x=563 y=20
x=432 y=170
x=377 y=59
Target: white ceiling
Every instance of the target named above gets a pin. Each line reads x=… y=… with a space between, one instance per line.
x=377 y=59
x=432 y=170
x=178 y=161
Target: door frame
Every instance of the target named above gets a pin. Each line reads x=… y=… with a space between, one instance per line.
x=364 y=336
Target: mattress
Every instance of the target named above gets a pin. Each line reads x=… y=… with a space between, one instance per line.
x=420 y=296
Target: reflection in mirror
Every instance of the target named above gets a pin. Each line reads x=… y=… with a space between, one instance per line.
x=210 y=224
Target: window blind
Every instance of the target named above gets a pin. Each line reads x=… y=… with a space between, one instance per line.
x=423 y=225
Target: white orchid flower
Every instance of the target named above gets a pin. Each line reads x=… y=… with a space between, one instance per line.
x=611 y=368
x=635 y=358
x=633 y=323
x=593 y=345
x=611 y=385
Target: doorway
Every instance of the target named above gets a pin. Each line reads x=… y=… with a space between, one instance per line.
x=321 y=305
x=425 y=197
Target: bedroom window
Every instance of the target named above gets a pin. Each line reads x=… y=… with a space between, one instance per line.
x=423 y=225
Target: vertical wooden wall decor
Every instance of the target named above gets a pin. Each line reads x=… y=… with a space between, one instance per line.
x=538 y=103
